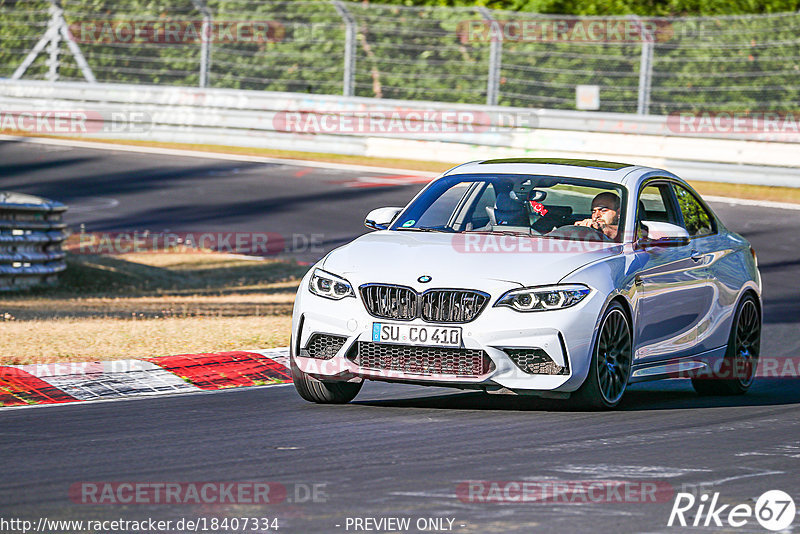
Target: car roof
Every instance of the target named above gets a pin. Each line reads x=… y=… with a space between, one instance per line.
x=608 y=171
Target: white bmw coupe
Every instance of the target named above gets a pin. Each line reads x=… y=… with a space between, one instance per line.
x=556 y=278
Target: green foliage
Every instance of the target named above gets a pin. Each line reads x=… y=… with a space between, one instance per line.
x=648 y=8
x=696 y=218
x=423 y=52
x=20 y=27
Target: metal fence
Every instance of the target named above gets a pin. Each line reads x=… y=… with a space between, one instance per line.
x=31 y=235
x=475 y=56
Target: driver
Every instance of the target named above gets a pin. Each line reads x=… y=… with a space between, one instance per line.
x=605 y=215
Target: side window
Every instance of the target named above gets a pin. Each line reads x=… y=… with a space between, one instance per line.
x=654 y=205
x=697 y=219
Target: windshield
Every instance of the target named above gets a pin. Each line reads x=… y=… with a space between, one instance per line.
x=550 y=206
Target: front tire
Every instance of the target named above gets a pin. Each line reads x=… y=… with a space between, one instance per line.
x=321 y=392
x=741 y=359
x=610 y=367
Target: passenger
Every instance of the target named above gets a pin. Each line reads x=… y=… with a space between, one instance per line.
x=605 y=215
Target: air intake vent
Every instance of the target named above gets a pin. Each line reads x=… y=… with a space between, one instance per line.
x=390 y=302
x=323 y=346
x=535 y=362
x=422 y=360
x=435 y=305
x=452 y=305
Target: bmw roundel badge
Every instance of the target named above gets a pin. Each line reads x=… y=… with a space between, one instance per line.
x=424 y=279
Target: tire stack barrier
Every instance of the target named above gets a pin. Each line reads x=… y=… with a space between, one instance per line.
x=31 y=235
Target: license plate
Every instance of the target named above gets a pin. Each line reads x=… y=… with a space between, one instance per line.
x=432 y=336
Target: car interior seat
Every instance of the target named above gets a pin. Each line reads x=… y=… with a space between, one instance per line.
x=507 y=211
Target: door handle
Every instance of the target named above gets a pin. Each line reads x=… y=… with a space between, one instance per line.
x=637 y=280
x=697 y=256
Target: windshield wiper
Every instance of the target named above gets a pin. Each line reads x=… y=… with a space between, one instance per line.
x=501 y=232
x=423 y=229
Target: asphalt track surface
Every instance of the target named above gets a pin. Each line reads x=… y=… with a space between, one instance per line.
x=397 y=451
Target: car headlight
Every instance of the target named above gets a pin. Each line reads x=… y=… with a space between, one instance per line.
x=329 y=285
x=555 y=297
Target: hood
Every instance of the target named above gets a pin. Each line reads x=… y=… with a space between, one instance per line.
x=462 y=260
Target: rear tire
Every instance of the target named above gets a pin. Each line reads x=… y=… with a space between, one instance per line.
x=741 y=359
x=321 y=392
x=610 y=367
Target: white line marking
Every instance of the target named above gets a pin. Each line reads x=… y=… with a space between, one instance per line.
x=650 y=471
x=750 y=475
x=216 y=155
x=425 y=494
x=90 y=204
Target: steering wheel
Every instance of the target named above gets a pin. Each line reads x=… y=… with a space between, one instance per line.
x=580 y=233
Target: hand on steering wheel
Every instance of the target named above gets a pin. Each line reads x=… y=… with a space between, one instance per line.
x=596 y=225
x=579 y=232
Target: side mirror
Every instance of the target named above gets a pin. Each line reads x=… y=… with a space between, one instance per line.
x=381 y=218
x=663 y=234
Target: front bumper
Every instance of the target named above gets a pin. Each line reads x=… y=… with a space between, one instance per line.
x=566 y=336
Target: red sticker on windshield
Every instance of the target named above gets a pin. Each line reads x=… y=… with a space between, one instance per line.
x=538 y=208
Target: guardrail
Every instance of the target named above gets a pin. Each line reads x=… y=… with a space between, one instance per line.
x=433 y=130
x=31 y=234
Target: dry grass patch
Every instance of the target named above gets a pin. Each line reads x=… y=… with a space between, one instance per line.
x=753 y=192
x=146 y=305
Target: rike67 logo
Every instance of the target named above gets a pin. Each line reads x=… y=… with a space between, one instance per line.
x=774 y=510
